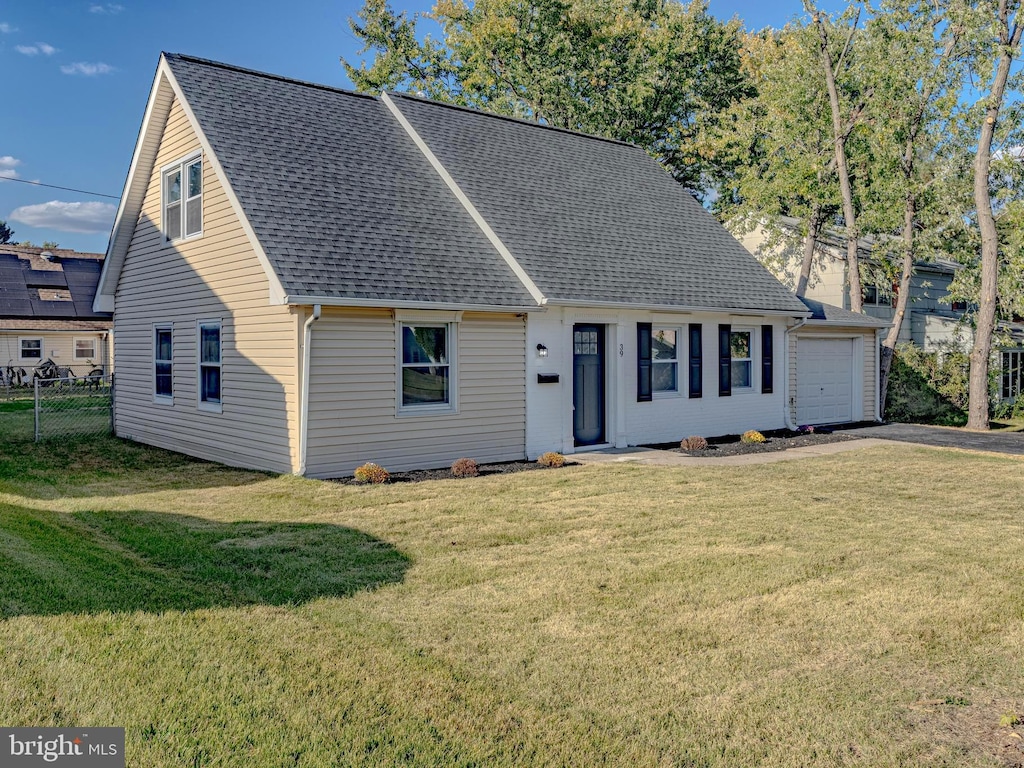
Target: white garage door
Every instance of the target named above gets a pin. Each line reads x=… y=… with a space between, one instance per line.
x=824 y=381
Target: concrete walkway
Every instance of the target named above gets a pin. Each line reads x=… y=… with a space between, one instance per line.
x=1011 y=443
x=672 y=459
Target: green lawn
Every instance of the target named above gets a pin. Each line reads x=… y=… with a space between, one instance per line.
x=865 y=609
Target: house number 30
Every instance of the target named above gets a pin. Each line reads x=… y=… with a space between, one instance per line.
x=620 y=350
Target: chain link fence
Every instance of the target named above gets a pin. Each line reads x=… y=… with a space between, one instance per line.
x=73 y=406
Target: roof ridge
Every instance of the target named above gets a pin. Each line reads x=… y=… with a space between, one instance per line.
x=510 y=118
x=402 y=95
x=267 y=75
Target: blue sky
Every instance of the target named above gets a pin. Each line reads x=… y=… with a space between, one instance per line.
x=77 y=73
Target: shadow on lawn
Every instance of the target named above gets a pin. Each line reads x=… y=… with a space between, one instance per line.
x=92 y=562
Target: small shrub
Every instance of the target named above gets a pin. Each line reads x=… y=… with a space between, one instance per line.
x=694 y=443
x=465 y=468
x=551 y=459
x=805 y=429
x=752 y=436
x=372 y=473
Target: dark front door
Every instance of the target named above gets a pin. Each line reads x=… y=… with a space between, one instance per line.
x=588 y=384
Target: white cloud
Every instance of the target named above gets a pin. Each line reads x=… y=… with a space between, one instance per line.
x=31 y=50
x=111 y=8
x=86 y=68
x=7 y=166
x=6 y=28
x=86 y=218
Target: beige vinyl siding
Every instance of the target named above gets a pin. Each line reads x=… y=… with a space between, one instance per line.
x=353 y=395
x=215 y=276
x=870 y=384
x=59 y=346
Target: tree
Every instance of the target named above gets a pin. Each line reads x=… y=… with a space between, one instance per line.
x=913 y=67
x=1001 y=27
x=847 y=101
x=51 y=244
x=652 y=73
x=6 y=233
x=780 y=146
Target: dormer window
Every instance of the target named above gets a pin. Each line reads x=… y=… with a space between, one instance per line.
x=183 y=199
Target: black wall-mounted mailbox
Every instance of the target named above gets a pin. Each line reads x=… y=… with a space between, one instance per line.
x=547 y=378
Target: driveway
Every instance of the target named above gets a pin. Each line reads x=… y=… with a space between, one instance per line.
x=946 y=437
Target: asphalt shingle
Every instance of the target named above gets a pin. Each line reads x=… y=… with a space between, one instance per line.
x=346 y=206
x=343 y=203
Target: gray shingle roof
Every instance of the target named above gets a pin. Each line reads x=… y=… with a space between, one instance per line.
x=343 y=203
x=346 y=206
x=591 y=219
x=821 y=312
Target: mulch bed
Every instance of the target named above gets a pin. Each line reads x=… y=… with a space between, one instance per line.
x=419 y=475
x=777 y=440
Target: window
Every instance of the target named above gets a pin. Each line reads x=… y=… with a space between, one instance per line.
x=741 y=359
x=664 y=359
x=31 y=349
x=1012 y=374
x=878 y=295
x=85 y=349
x=426 y=375
x=958 y=306
x=183 y=199
x=163 y=366
x=209 y=365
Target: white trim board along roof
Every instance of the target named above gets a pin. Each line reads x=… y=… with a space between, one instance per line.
x=358 y=200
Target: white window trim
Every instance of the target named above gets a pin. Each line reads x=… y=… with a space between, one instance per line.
x=668 y=393
x=181 y=164
x=1015 y=382
x=162 y=399
x=754 y=372
x=74 y=348
x=33 y=360
x=449 y=408
x=206 y=405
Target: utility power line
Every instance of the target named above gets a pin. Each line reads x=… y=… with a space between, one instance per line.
x=54 y=186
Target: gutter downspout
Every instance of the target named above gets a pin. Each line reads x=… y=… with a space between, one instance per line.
x=878 y=375
x=307 y=340
x=787 y=411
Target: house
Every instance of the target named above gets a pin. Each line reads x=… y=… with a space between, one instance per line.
x=304 y=279
x=934 y=321
x=46 y=311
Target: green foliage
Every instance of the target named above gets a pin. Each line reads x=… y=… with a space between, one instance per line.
x=654 y=74
x=6 y=233
x=465 y=468
x=51 y=244
x=371 y=473
x=752 y=436
x=926 y=387
x=551 y=459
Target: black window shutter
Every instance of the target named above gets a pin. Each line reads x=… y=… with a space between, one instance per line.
x=696 y=360
x=766 y=359
x=724 y=361
x=643 y=362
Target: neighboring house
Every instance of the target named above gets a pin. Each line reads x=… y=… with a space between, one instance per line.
x=933 y=322
x=46 y=298
x=304 y=279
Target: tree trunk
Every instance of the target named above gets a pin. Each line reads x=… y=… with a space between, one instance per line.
x=842 y=171
x=813 y=228
x=978 y=387
x=902 y=300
